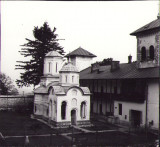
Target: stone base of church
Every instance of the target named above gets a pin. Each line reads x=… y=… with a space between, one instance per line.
x=82 y=123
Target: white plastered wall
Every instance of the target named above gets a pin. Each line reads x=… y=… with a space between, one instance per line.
x=68 y=98
x=126 y=107
x=153 y=102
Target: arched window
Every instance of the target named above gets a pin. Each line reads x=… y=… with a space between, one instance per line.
x=143 y=54
x=63 y=110
x=49 y=67
x=51 y=91
x=66 y=79
x=56 y=67
x=74 y=102
x=151 y=52
x=83 y=109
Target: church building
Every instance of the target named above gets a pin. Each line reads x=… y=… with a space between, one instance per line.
x=59 y=100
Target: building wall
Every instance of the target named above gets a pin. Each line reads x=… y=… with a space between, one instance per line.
x=69 y=79
x=152 y=106
x=146 y=41
x=53 y=61
x=15 y=101
x=99 y=89
x=126 y=107
x=74 y=100
x=81 y=62
x=41 y=104
x=153 y=103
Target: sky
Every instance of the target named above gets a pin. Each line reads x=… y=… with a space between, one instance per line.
x=101 y=27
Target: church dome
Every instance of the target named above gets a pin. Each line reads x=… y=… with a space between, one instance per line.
x=69 y=67
x=53 y=54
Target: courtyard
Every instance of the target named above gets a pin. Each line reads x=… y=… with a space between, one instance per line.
x=15 y=126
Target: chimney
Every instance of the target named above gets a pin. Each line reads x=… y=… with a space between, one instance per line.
x=95 y=67
x=114 y=65
x=129 y=59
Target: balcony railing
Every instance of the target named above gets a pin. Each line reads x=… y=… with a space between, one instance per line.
x=134 y=97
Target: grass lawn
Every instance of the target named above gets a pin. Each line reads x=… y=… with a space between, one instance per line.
x=14 y=124
x=39 y=141
x=112 y=139
x=98 y=126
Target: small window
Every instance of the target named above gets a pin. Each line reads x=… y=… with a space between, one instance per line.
x=66 y=79
x=151 y=52
x=56 y=66
x=72 y=79
x=120 y=109
x=49 y=68
x=143 y=54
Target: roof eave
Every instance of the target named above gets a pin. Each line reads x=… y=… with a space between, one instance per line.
x=136 y=33
x=81 y=56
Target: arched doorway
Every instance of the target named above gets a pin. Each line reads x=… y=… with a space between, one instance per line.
x=73 y=117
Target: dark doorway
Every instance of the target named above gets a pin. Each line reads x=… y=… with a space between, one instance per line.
x=73 y=117
x=135 y=117
x=100 y=109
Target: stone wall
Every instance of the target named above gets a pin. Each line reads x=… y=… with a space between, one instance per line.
x=16 y=102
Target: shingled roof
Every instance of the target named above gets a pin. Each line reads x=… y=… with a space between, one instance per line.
x=69 y=67
x=150 y=26
x=80 y=52
x=126 y=71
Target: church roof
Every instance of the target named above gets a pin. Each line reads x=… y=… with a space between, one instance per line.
x=59 y=90
x=53 y=54
x=125 y=71
x=69 y=67
x=150 y=26
x=80 y=52
x=41 y=89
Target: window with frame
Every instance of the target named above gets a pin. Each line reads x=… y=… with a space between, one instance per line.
x=72 y=79
x=49 y=67
x=120 y=109
x=56 y=67
x=143 y=53
x=151 y=52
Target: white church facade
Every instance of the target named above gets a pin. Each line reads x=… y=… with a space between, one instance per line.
x=59 y=99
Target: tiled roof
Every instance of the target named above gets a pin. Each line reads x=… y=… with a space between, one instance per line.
x=150 y=26
x=80 y=52
x=59 y=90
x=126 y=71
x=41 y=89
x=69 y=67
x=53 y=54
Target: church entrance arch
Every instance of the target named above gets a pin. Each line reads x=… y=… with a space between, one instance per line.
x=73 y=117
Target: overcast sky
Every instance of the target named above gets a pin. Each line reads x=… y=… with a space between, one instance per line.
x=100 y=27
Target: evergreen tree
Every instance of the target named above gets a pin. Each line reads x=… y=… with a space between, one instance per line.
x=45 y=41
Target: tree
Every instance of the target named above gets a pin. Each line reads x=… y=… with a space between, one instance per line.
x=45 y=41
x=6 y=85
